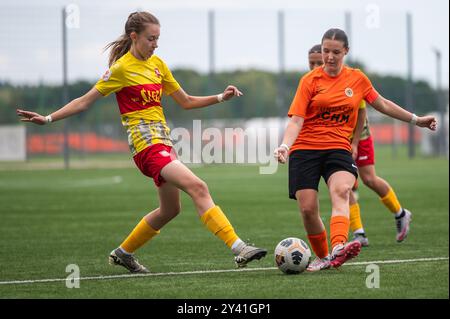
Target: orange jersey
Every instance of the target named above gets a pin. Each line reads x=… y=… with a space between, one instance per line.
x=329 y=106
x=139 y=86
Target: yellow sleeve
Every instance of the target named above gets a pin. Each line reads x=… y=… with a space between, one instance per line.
x=362 y=105
x=112 y=81
x=169 y=84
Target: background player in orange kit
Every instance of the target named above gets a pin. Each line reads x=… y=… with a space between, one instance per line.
x=139 y=78
x=323 y=116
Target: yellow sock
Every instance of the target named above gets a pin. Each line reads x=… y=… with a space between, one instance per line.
x=355 y=217
x=391 y=202
x=141 y=234
x=218 y=224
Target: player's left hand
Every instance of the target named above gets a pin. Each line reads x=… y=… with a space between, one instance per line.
x=427 y=121
x=231 y=91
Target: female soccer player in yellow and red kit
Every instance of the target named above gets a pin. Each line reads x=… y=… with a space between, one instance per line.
x=323 y=116
x=139 y=78
x=364 y=156
x=363 y=152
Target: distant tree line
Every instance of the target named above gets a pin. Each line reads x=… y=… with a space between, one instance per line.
x=266 y=94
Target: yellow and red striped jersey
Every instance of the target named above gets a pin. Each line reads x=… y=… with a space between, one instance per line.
x=365 y=133
x=139 y=86
x=366 y=130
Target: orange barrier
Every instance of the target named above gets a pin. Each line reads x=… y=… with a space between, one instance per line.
x=93 y=143
x=87 y=142
x=384 y=133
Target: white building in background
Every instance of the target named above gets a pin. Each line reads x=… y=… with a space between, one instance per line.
x=430 y=140
x=13 y=143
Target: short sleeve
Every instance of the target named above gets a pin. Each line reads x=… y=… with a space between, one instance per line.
x=301 y=99
x=369 y=92
x=112 y=81
x=169 y=84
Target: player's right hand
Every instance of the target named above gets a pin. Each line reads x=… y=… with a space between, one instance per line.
x=33 y=117
x=281 y=154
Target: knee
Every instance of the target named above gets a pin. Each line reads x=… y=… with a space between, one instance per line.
x=198 y=189
x=309 y=211
x=170 y=211
x=369 y=181
x=343 y=191
x=176 y=208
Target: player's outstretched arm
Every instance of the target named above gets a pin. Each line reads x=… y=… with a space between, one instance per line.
x=73 y=107
x=187 y=101
x=393 y=110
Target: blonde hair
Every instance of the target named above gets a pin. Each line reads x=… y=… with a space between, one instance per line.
x=135 y=23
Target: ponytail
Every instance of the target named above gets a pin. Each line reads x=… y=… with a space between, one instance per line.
x=118 y=48
x=135 y=23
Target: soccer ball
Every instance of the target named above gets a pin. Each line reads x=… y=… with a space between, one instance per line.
x=292 y=255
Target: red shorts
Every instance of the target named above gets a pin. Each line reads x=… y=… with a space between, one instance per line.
x=366 y=153
x=152 y=159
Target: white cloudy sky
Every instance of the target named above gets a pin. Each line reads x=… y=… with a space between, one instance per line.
x=246 y=35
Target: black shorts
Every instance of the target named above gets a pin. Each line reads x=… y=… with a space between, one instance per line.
x=307 y=166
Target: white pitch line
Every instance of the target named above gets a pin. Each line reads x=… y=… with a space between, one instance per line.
x=95 y=182
x=198 y=272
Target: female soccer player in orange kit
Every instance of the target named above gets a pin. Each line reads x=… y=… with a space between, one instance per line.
x=363 y=152
x=323 y=116
x=138 y=77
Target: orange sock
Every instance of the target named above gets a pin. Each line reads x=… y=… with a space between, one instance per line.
x=218 y=224
x=339 y=226
x=141 y=234
x=319 y=244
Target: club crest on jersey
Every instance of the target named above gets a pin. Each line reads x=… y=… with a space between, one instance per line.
x=158 y=74
x=348 y=92
x=107 y=75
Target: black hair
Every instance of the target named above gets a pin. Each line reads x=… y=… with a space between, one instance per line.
x=315 y=49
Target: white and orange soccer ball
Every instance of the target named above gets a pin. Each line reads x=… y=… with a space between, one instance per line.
x=292 y=255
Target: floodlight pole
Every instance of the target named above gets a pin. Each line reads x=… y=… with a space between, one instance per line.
x=348 y=31
x=211 y=29
x=281 y=63
x=211 y=85
x=441 y=104
x=410 y=84
x=65 y=94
